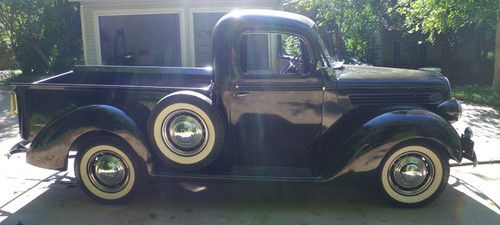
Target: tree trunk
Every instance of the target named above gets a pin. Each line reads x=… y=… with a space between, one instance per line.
x=340 y=45
x=496 y=78
x=36 y=47
x=446 y=57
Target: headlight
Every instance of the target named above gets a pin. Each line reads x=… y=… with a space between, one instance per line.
x=451 y=110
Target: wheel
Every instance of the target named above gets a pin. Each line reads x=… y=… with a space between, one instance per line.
x=108 y=170
x=413 y=175
x=187 y=133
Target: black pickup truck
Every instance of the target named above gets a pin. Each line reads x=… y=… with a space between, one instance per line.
x=274 y=107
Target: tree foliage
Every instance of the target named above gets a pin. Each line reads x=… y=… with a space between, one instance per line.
x=45 y=35
x=7 y=59
x=358 y=29
x=351 y=27
x=451 y=24
x=354 y=26
x=438 y=17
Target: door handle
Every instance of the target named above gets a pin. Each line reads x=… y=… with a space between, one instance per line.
x=240 y=94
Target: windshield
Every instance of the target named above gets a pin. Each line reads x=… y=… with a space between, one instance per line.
x=329 y=61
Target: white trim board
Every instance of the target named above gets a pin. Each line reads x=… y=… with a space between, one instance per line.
x=84 y=35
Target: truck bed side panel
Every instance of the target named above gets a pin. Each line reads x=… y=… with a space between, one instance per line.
x=132 y=92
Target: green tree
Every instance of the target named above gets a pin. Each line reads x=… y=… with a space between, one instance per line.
x=7 y=60
x=451 y=23
x=350 y=28
x=45 y=34
x=438 y=17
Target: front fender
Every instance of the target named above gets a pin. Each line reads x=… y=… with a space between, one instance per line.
x=365 y=149
x=50 y=147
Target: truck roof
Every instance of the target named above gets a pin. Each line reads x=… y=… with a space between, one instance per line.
x=230 y=28
x=266 y=16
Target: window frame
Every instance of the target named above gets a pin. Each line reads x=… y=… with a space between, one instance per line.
x=246 y=76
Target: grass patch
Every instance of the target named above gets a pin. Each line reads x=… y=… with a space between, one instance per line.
x=18 y=76
x=484 y=95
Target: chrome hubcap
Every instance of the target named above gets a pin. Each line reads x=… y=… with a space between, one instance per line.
x=411 y=173
x=184 y=132
x=108 y=171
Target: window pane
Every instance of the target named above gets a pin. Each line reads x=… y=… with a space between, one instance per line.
x=142 y=40
x=204 y=24
x=255 y=53
x=272 y=54
x=290 y=45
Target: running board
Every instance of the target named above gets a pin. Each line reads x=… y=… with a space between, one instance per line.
x=246 y=173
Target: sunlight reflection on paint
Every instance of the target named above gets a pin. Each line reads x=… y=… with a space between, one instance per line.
x=192 y=187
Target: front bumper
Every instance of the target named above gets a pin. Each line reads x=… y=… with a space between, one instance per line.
x=468 y=146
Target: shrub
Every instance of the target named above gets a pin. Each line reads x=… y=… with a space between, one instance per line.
x=477 y=94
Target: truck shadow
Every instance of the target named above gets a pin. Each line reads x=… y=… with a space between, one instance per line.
x=346 y=201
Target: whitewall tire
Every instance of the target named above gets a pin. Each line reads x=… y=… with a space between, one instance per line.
x=413 y=175
x=187 y=133
x=108 y=170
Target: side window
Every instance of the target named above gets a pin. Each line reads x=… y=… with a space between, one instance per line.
x=273 y=55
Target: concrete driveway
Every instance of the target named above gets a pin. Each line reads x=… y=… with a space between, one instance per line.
x=31 y=195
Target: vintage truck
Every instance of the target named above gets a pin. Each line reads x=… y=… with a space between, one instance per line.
x=275 y=106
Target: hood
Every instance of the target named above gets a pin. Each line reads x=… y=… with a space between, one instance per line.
x=371 y=76
x=368 y=85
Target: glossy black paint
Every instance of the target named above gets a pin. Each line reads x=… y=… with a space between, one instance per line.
x=276 y=122
x=50 y=147
x=232 y=26
x=134 y=90
x=451 y=110
x=364 y=149
x=355 y=77
x=313 y=128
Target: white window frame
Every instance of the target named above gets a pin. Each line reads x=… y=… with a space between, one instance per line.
x=146 y=11
x=84 y=34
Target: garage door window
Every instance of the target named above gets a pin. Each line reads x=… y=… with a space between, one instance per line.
x=204 y=24
x=140 y=40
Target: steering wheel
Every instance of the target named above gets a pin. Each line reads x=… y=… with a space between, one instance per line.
x=295 y=63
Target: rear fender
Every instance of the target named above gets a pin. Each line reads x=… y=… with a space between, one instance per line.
x=365 y=149
x=50 y=147
x=188 y=93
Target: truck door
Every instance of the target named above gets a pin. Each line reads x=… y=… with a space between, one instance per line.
x=276 y=101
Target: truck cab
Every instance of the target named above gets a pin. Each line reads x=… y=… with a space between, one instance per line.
x=274 y=86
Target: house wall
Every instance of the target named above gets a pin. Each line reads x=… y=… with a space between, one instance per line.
x=92 y=9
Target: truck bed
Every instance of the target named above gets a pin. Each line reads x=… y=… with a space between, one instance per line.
x=134 y=90
x=133 y=76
